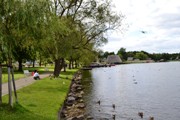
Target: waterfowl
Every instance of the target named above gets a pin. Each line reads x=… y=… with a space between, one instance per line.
x=140 y=114
x=114 y=117
x=151 y=118
x=113 y=105
x=99 y=102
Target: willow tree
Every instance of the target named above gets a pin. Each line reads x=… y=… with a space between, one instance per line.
x=28 y=23
x=20 y=21
x=8 y=9
x=56 y=43
x=91 y=18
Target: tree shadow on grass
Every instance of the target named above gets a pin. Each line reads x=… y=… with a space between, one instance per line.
x=18 y=112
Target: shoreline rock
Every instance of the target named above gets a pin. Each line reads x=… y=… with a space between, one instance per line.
x=74 y=106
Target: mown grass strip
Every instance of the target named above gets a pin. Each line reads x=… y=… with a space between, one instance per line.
x=39 y=101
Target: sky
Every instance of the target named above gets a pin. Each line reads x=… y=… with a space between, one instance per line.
x=158 y=19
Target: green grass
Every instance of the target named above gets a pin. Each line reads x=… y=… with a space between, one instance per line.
x=39 y=101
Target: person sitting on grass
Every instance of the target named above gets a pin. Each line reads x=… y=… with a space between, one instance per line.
x=36 y=75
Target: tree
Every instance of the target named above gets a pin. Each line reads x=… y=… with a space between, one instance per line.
x=19 y=22
x=141 y=56
x=87 y=19
x=122 y=53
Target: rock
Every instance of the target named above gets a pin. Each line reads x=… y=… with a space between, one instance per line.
x=73 y=118
x=79 y=88
x=81 y=100
x=78 y=95
x=80 y=117
x=80 y=105
x=74 y=105
x=70 y=99
x=89 y=118
x=74 y=85
x=82 y=92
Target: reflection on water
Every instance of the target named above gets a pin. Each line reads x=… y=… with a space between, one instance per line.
x=120 y=92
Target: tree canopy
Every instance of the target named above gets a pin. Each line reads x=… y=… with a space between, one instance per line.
x=58 y=29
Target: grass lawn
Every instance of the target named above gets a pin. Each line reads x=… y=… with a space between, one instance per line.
x=17 y=76
x=39 y=101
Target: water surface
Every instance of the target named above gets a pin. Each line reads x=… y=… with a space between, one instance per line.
x=151 y=88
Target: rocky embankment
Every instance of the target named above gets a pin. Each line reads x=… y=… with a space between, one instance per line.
x=74 y=107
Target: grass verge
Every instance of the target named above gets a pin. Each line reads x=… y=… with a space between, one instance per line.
x=39 y=101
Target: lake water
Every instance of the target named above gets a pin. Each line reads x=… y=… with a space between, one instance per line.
x=151 y=88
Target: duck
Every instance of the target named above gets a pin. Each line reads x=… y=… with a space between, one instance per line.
x=114 y=117
x=151 y=118
x=140 y=114
x=99 y=102
x=113 y=105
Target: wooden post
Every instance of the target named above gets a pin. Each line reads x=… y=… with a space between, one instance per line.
x=10 y=87
x=14 y=86
x=0 y=84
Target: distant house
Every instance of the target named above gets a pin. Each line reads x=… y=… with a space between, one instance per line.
x=136 y=60
x=130 y=59
x=114 y=59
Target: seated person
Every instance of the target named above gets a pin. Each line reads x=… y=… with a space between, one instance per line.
x=36 y=75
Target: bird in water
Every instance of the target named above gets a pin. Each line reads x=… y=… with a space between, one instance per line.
x=99 y=102
x=151 y=118
x=114 y=117
x=140 y=114
x=113 y=105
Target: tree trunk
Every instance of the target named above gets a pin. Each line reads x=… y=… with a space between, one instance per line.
x=62 y=63
x=33 y=63
x=75 y=63
x=59 y=63
x=57 y=67
x=40 y=61
x=70 y=63
x=0 y=84
x=10 y=87
x=64 y=66
x=20 y=68
x=14 y=85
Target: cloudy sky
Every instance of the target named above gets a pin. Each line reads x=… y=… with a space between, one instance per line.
x=159 y=19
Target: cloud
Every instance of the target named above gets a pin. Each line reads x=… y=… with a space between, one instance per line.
x=159 y=18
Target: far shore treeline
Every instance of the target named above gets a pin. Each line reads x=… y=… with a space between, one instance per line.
x=142 y=55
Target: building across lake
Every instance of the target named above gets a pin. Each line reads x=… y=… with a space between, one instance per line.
x=114 y=59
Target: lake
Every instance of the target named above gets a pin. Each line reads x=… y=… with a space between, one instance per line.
x=120 y=92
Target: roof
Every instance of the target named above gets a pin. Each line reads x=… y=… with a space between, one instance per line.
x=114 y=59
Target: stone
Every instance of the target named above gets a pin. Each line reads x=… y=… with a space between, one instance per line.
x=89 y=118
x=80 y=117
x=74 y=85
x=80 y=105
x=71 y=98
x=82 y=92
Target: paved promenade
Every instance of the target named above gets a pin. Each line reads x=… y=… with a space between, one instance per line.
x=22 y=83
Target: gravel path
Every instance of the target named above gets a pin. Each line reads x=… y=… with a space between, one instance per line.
x=22 y=83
